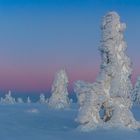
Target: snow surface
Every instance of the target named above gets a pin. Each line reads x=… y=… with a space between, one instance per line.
x=38 y=122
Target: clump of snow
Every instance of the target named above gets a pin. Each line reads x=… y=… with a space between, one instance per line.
x=34 y=110
x=112 y=88
x=8 y=99
x=59 y=98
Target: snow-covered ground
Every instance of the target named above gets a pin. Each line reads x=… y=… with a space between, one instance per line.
x=38 y=122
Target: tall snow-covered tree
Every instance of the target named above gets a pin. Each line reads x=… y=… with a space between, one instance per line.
x=59 y=98
x=112 y=88
x=119 y=69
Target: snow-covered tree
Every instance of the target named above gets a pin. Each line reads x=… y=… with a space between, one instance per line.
x=82 y=90
x=119 y=69
x=59 y=98
x=8 y=99
x=19 y=100
x=42 y=99
x=28 y=100
x=91 y=97
x=112 y=89
x=136 y=92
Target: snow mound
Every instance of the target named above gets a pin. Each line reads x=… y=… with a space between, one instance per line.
x=34 y=110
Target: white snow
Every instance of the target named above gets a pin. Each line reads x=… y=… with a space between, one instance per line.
x=34 y=110
x=38 y=122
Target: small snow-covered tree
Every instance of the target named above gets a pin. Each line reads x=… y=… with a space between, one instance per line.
x=119 y=69
x=28 y=100
x=42 y=99
x=59 y=98
x=8 y=99
x=136 y=92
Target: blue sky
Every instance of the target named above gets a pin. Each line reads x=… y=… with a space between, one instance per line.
x=38 y=37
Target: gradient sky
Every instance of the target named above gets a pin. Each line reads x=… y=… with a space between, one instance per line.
x=39 y=37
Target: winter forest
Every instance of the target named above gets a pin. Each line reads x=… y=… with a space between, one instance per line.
x=104 y=105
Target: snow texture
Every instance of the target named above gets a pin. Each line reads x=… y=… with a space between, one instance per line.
x=111 y=91
x=59 y=98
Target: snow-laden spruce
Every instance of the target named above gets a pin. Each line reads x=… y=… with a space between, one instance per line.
x=59 y=98
x=8 y=99
x=111 y=91
x=28 y=100
x=42 y=99
x=136 y=92
x=118 y=68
